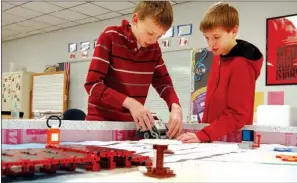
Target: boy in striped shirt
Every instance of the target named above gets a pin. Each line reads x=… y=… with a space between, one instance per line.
x=126 y=60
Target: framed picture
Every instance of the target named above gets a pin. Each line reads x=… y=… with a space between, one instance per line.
x=184 y=30
x=84 y=46
x=72 y=47
x=281 y=54
x=169 y=33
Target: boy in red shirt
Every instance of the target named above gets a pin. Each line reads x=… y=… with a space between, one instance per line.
x=126 y=61
x=231 y=87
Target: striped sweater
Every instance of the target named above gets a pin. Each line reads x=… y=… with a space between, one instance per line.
x=119 y=69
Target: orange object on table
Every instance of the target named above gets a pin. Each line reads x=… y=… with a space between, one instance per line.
x=53 y=132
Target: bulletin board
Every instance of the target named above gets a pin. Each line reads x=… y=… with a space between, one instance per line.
x=201 y=64
x=49 y=94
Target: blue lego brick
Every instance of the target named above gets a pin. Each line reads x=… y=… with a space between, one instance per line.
x=247 y=135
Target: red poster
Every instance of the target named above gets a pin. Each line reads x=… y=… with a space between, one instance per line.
x=281 y=48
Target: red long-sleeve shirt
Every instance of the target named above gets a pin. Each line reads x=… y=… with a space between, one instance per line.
x=119 y=69
x=230 y=93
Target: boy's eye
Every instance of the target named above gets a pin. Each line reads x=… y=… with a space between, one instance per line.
x=150 y=33
x=217 y=37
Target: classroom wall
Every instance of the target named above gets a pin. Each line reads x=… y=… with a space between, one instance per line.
x=36 y=52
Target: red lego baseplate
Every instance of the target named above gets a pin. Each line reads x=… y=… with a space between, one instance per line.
x=24 y=162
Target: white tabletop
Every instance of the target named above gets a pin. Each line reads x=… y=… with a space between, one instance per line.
x=215 y=162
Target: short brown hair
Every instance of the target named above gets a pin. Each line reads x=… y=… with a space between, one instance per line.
x=220 y=14
x=160 y=11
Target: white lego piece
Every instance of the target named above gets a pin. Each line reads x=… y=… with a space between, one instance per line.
x=245 y=146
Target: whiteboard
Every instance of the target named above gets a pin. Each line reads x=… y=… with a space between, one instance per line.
x=179 y=67
x=48 y=92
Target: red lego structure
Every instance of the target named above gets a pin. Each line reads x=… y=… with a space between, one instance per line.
x=24 y=162
x=158 y=170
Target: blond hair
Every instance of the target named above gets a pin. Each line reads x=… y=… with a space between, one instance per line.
x=222 y=15
x=160 y=11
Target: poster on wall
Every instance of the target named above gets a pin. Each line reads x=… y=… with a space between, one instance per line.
x=72 y=48
x=201 y=64
x=84 y=48
x=281 y=50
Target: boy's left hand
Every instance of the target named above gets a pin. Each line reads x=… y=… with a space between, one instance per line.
x=188 y=138
x=175 y=121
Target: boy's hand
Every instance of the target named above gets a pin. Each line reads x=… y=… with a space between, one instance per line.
x=175 y=121
x=141 y=115
x=188 y=138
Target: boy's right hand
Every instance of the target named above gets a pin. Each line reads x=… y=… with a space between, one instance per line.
x=141 y=115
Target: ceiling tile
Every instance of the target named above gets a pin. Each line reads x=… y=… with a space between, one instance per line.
x=3 y=22
x=68 y=24
x=108 y=15
x=5 y=6
x=33 y=24
x=23 y=12
x=66 y=4
x=8 y=38
x=11 y=18
x=90 y=9
x=115 y=6
x=87 y=20
x=18 y=28
x=50 y=29
x=126 y=11
x=134 y=1
x=17 y=2
x=6 y=32
x=41 y=7
x=33 y=32
x=50 y=19
x=69 y=15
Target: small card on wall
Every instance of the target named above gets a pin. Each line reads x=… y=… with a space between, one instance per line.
x=276 y=98
x=84 y=54
x=166 y=43
x=183 y=41
x=72 y=56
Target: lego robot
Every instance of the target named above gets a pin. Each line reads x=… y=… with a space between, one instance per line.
x=159 y=131
x=248 y=140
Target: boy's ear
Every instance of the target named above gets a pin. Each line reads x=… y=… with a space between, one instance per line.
x=135 y=18
x=234 y=31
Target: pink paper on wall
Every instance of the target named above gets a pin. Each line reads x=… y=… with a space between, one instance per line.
x=276 y=98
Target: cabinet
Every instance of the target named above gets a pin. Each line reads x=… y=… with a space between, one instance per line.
x=16 y=87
